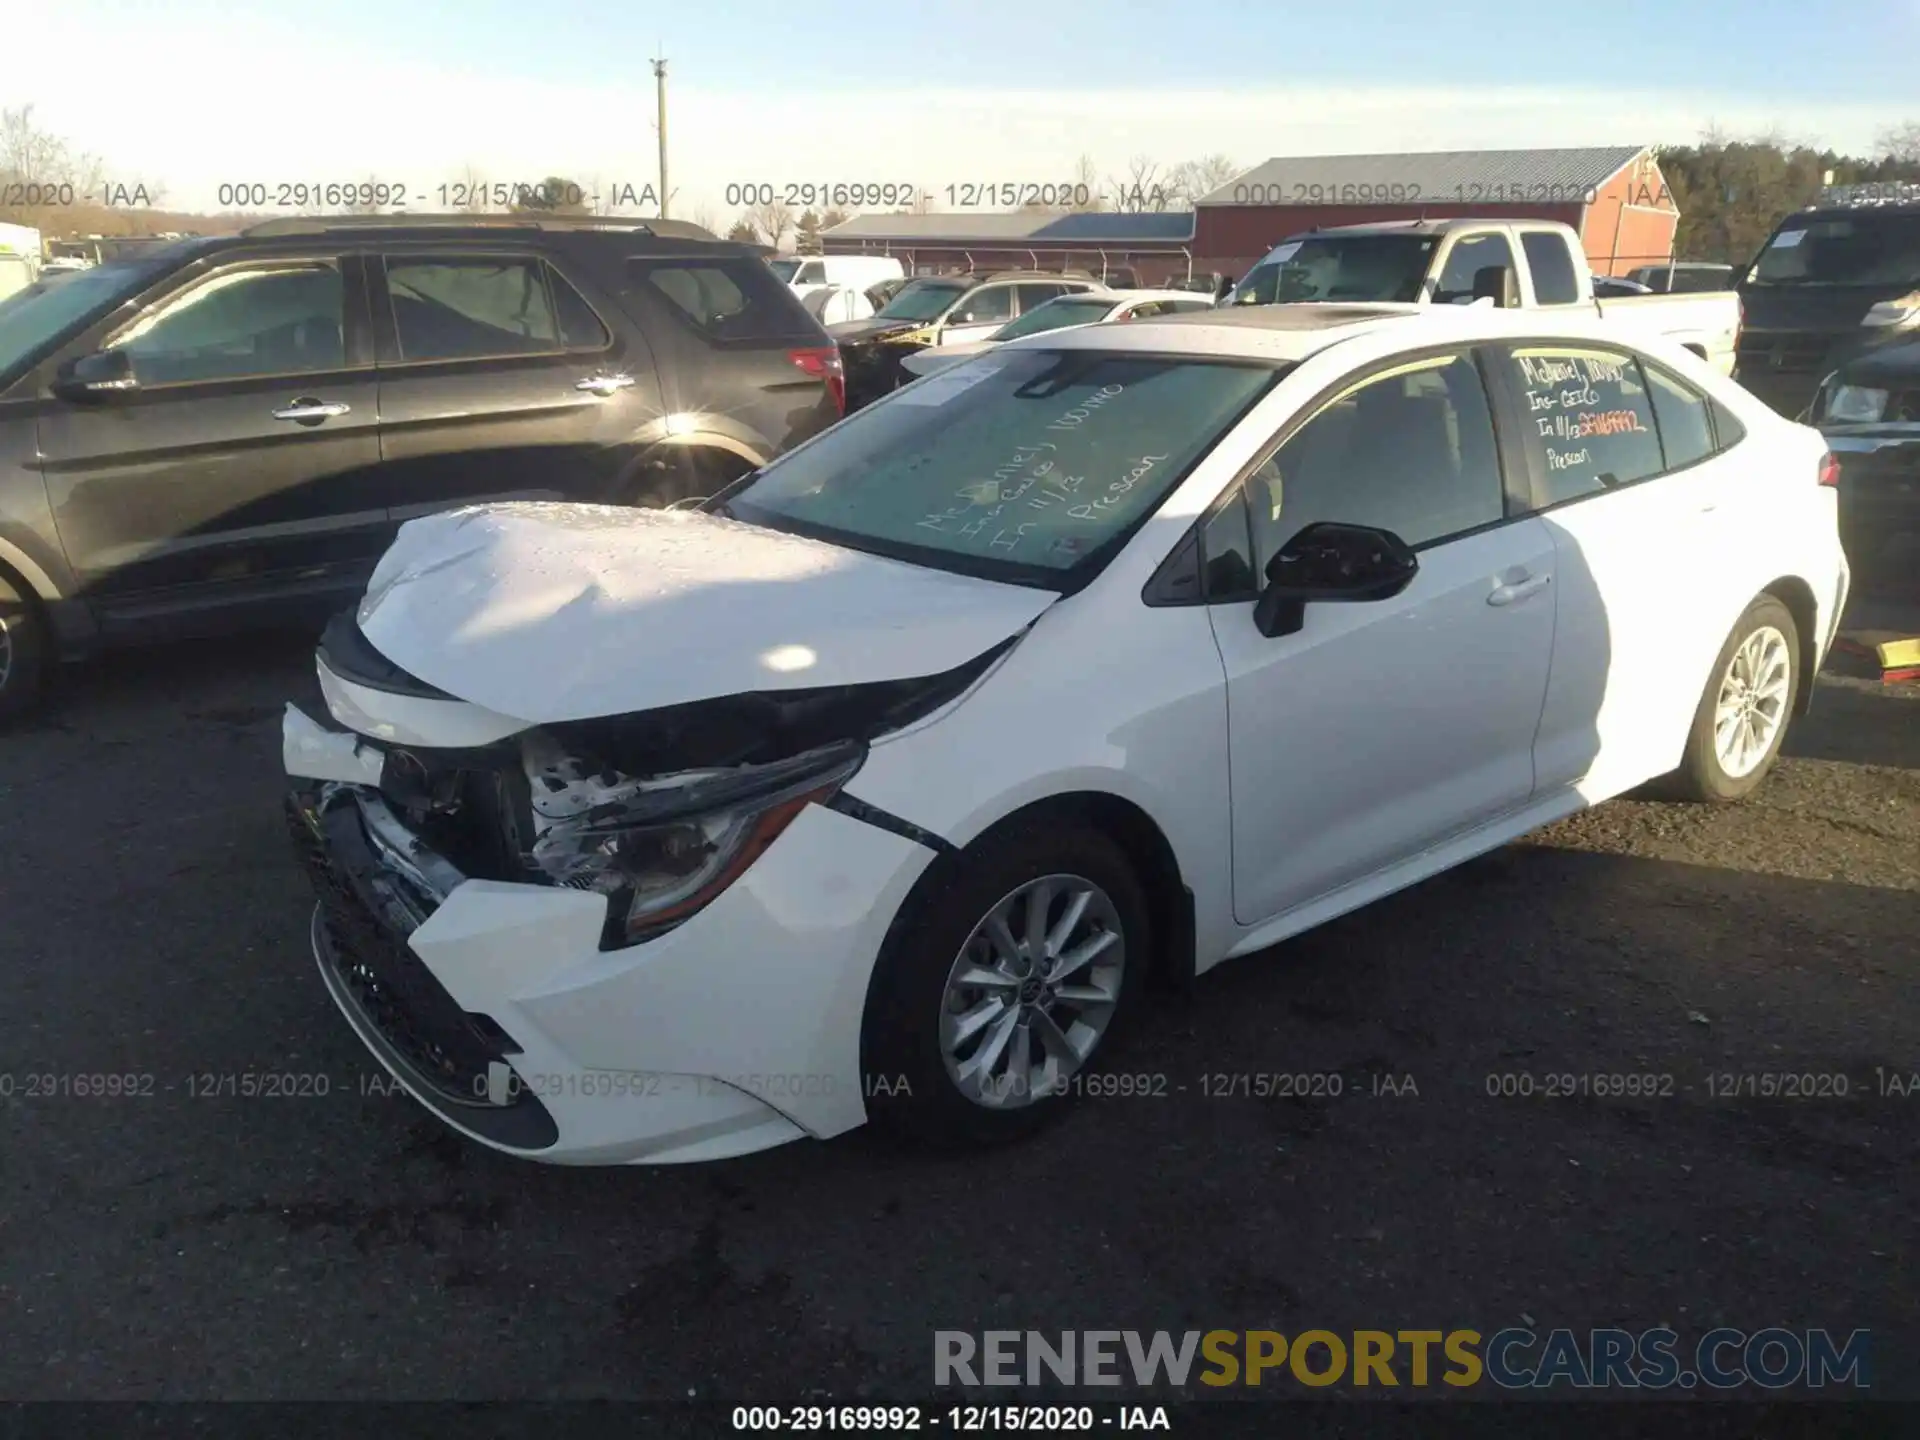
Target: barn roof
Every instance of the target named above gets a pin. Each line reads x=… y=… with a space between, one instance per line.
x=1028 y=227
x=1439 y=175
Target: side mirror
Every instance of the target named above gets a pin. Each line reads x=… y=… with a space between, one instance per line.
x=1331 y=561
x=101 y=375
x=1499 y=284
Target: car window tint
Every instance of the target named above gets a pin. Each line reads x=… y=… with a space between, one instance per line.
x=470 y=307
x=990 y=302
x=580 y=328
x=727 y=302
x=1550 y=262
x=1411 y=451
x=1727 y=430
x=1228 y=546
x=265 y=320
x=1033 y=296
x=1592 y=424
x=1686 y=429
x=1465 y=262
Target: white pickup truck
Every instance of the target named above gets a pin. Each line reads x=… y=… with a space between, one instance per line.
x=1515 y=264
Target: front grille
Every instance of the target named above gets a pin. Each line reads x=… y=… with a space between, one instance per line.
x=367 y=950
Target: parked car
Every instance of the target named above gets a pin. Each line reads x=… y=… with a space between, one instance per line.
x=838 y=304
x=940 y=310
x=1831 y=283
x=1685 y=277
x=1088 y=307
x=220 y=431
x=1869 y=410
x=1521 y=264
x=877 y=788
x=834 y=287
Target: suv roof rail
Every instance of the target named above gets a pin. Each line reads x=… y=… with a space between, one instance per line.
x=402 y=220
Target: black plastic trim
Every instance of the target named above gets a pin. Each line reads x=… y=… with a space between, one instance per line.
x=886 y=820
x=350 y=655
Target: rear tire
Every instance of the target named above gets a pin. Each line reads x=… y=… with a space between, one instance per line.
x=920 y=999
x=23 y=650
x=1745 y=710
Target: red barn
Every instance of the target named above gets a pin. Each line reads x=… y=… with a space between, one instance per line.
x=1614 y=196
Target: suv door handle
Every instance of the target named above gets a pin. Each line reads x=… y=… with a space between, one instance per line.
x=604 y=384
x=1519 y=589
x=312 y=412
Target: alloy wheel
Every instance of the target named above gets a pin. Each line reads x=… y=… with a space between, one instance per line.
x=1032 y=992
x=1752 y=705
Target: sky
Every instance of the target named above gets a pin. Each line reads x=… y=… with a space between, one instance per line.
x=192 y=95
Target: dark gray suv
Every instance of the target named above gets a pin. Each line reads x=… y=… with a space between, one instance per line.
x=229 y=430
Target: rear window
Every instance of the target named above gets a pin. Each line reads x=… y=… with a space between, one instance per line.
x=725 y=301
x=1554 y=281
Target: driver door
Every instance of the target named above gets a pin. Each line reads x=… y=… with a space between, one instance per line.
x=979 y=313
x=1381 y=728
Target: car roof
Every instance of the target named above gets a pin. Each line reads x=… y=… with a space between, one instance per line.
x=1293 y=332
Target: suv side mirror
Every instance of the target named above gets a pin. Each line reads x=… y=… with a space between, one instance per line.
x=1499 y=284
x=1331 y=561
x=98 y=376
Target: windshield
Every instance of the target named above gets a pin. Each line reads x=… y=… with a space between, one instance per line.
x=1863 y=249
x=785 y=269
x=1079 y=310
x=1018 y=465
x=35 y=317
x=1374 y=268
x=923 y=300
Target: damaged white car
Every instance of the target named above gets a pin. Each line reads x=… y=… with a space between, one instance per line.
x=878 y=788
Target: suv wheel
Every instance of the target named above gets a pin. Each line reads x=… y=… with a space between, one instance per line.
x=989 y=1008
x=22 y=650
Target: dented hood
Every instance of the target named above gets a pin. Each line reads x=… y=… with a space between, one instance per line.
x=554 y=612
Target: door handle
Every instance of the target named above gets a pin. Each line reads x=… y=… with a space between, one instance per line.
x=1518 y=589
x=603 y=384
x=311 y=411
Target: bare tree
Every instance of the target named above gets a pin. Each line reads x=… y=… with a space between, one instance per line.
x=1191 y=179
x=1142 y=188
x=1900 y=143
x=37 y=161
x=1086 y=185
x=772 y=220
x=707 y=218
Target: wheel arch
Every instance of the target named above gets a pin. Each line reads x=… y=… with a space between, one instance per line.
x=20 y=567
x=1170 y=905
x=1797 y=595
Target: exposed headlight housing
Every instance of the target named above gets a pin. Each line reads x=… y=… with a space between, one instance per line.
x=662 y=850
x=1855 y=404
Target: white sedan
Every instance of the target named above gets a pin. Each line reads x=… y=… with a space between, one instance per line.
x=1093 y=307
x=879 y=788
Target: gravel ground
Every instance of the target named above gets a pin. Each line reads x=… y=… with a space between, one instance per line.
x=185 y=1247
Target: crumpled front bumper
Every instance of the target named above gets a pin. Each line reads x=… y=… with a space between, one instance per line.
x=493 y=1003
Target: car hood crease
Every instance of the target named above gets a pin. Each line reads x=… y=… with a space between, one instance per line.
x=554 y=612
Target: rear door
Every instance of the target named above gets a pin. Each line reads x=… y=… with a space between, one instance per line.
x=245 y=461
x=1624 y=473
x=981 y=311
x=500 y=379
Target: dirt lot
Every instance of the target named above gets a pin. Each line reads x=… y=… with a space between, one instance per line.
x=189 y=1246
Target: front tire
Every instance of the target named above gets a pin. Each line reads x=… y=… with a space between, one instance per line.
x=1746 y=708
x=993 y=1000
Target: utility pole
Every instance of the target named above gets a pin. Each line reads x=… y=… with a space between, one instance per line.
x=660 y=88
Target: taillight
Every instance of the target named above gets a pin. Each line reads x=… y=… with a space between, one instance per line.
x=1830 y=470
x=823 y=363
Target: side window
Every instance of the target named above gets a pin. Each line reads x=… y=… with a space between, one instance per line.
x=1727 y=431
x=1465 y=262
x=258 y=320
x=580 y=328
x=1593 y=424
x=1032 y=297
x=470 y=307
x=989 y=302
x=1686 y=428
x=1554 y=281
x=1227 y=543
x=812 y=273
x=1411 y=450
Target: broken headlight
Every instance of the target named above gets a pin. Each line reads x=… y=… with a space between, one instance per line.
x=660 y=850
